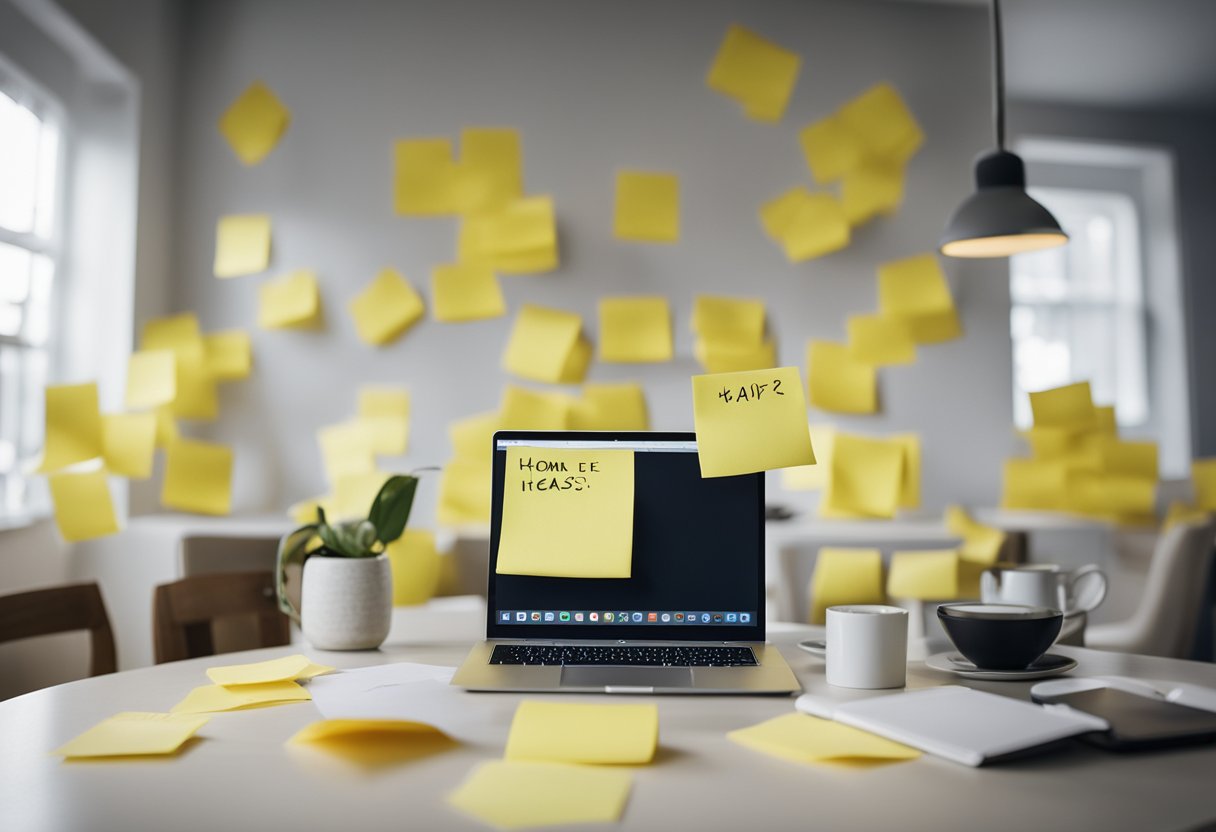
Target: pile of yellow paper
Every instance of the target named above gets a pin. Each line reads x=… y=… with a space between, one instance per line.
x=233 y=687
x=802 y=738
x=871 y=477
x=731 y=334
x=755 y=72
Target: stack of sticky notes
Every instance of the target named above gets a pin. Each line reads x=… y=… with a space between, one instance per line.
x=731 y=334
x=562 y=765
x=134 y=734
x=845 y=576
x=806 y=225
x=754 y=72
x=871 y=477
x=233 y=687
x=547 y=345
x=802 y=738
x=519 y=237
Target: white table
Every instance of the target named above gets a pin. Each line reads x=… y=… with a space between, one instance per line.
x=239 y=775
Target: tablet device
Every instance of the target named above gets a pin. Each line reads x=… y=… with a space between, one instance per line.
x=1137 y=721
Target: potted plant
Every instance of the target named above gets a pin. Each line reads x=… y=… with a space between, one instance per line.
x=346 y=592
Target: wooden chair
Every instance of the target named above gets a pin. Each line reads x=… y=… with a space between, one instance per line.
x=61 y=609
x=184 y=612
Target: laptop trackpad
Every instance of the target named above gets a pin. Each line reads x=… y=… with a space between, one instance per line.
x=626 y=677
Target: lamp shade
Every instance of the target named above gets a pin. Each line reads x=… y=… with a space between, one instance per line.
x=1000 y=219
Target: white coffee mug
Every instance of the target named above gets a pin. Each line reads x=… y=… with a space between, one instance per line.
x=867 y=646
x=1045 y=585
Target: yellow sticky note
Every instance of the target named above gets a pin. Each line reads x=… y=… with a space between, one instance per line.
x=515 y=795
x=73 y=426
x=346 y=449
x=577 y=732
x=291 y=301
x=728 y=320
x=519 y=237
x=352 y=495
x=211 y=698
x=728 y=357
x=1033 y=484
x=374 y=742
x=471 y=436
x=831 y=149
x=425 y=178
x=177 y=333
x=1179 y=512
x=385 y=414
x=491 y=167
x=567 y=513
x=882 y=123
x=867 y=476
x=647 y=207
x=287 y=668
x=872 y=188
x=812 y=477
x=610 y=407
x=151 y=379
x=1109 y=495
x=1133 y=459
x=254 y=123
x=415 y=564
x=198 y=477
x=464 y=492
x=750 y=421
x=981 y=544
x=541 y=342
x=197 y=397
x=1107 y=423
x=524 y=409
x=927 y=575
x=1070 y=406
x=845 y=576
x=228 y=355
x=166 y=427
x=837 y=382
x=909 y=489
x=778 y=213
x=880 y=341
x=466 y=292
x=242 y=245
x=128 y=443
x=755 y=72
x=818 y=227
x=577 y=363
x=635 y=329
x=386 y=308
x=83 y=507
x=134 y=734
x=1203 y=480
x=802 y=738
x=914 y=289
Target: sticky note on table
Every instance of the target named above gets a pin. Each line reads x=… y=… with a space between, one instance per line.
x=73 y=426
x=755 y=72
x=346 y=449
x=228 y=355
x=425 y=177
x=287 y=668
x=914 y=289
x=818 y=226
x=134 y=734
x=647 y=207
x=83 y=507
x=1070 y=406
x=845 y=576
x=1203 y=480
x=635 y=329
x=151 y=379
x=242 y=245
x=465 y=292
x=728 y=320
x=386 y=308
x=872 y=188
x=578 y=732
x=491 y=167
x=750 y=421
x=385 y=414
x=882 y=123
x=802 y=738
x=880 y=341
x=211 y=698
x=1033 y=484
x=128 y=442
x=610 y=407
x=839 y=383
x=524 y=409
x=416 y=565
x=291 y=301
x=198 y=477
x=464 y=492
x=374 y=743
x=866 y=476
x=924 y=575
x=515 y=795
x=831 y=149
x=567 y=513
x=541 y=343
x=254 y=123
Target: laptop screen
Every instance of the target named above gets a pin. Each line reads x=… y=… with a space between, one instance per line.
x=697 y=567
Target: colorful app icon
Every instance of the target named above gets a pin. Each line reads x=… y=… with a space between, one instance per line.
x=608 y=617
x=745 y=617
x=578 y=616
x=637 y=616
x=521 y=616
x=536 y=616
x=705 y=617
x=652 y=616
x=679 y=616
x=665 y=617
x=731 y=618
x=717 y=618
x=594 y=616
x=563 y=616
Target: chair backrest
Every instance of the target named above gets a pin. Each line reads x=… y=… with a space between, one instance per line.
x=1164 y=622
x=62 y=609
x=184 y=613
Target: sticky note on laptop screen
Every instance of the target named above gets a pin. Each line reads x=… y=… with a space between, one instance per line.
x=567 y=513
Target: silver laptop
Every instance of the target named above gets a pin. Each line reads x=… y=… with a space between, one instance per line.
x=688 y=619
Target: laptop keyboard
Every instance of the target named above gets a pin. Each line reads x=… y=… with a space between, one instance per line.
x=637 y=655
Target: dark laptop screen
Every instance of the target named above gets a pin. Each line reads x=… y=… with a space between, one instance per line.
x=698 y=560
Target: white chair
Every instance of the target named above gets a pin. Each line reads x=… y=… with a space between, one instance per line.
x=1164 y=623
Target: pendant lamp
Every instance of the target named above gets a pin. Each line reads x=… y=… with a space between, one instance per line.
x=1000 y=219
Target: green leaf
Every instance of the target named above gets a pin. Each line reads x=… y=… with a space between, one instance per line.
x=292 y=552
x=391 y=508
x=352 y=538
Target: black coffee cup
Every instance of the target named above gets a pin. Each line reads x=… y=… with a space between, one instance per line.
x=1000 y=636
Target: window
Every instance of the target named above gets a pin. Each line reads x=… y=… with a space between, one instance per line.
x=30 y=133
x=1078 y=310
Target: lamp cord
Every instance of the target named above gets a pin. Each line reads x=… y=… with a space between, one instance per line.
x=998 y=75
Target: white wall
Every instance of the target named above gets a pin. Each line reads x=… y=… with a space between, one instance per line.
x=592 y=87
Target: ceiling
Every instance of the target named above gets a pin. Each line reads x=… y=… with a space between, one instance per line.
x=1134 y=54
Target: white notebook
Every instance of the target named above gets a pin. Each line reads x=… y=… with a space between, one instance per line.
x=964 y=725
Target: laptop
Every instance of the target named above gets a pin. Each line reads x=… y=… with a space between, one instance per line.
x=688 y=619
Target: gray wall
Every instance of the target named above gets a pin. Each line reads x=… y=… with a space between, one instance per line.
x=591 y=87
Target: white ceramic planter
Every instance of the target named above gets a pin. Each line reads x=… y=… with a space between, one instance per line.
x=346 y=603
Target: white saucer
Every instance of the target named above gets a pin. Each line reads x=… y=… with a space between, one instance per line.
x=816 y=647
x=1047 y=665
